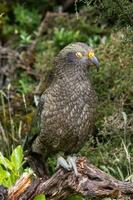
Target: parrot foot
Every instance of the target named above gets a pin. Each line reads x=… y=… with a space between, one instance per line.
x=69 y=164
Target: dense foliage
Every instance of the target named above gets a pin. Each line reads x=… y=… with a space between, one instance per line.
x=106 y=26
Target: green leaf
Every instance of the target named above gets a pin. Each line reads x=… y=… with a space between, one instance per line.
x=3 y=174
x=5 y=162
x=7 y=182
x=17 y=157
x=40 y=197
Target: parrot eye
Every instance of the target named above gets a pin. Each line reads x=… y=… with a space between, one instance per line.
x=91 y=54
x=79 y=55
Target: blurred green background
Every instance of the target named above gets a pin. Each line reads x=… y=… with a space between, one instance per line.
x=28 y=43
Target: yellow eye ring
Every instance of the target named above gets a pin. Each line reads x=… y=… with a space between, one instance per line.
x=79 y=54
x=91 y=54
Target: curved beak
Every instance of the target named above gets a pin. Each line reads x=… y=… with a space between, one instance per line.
x=95 y=61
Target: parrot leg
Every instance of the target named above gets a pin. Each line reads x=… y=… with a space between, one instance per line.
x=69 y=164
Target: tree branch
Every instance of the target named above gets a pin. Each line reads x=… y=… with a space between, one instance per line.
x=91 y=183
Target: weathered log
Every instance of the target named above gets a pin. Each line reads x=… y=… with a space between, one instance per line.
x=91 y=182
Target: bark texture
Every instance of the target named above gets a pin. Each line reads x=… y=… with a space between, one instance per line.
x=91 y=183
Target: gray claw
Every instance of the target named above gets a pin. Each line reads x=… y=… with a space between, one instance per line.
x=68 y=165
x=63 y=163
x=72 y=163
